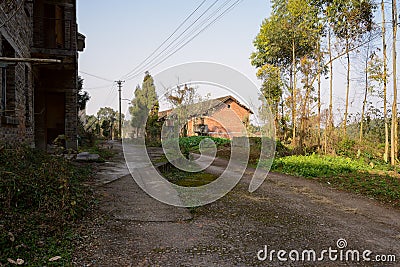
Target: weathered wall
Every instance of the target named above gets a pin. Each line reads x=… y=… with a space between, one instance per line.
x=58 y=79
x=226 y=122
x=25 y=117
x=16 y=124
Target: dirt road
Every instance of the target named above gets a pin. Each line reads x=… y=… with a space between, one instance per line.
x=285 y=213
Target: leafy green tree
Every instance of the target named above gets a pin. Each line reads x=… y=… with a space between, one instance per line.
x=144 y=102
x=290 y=33
x=183 y=99
x=83 y=96
x=309 y=69
x=271 y=88
x=107 y=119
x=138 y=111
x=153 y=126
x=350 y=21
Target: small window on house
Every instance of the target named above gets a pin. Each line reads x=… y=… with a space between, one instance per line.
x=7 y=81
x=229 y=106
x=59 y=27
x=54 y=26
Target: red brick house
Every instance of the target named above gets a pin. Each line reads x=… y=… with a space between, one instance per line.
x=223 y=117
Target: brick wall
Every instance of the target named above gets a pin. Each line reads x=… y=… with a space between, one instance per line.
x=16 y=124
x=71 y=111
x=226 y=122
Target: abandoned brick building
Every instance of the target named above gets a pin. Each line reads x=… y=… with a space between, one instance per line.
x=223 y=117
x=39 y=69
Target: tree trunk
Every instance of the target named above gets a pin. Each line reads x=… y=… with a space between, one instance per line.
x=304 y=112
x=276 y=120
x=319 y=104
x=365 y=95
x=330 y=115
x=346 y=112
x=294 y=106
x=386 y=154
x=394 y=137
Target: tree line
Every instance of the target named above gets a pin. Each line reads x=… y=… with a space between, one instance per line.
x=296 y=48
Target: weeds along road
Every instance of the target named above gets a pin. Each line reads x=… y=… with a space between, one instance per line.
x=285 y=213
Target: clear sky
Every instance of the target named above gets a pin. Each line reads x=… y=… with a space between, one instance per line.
x=121 y=34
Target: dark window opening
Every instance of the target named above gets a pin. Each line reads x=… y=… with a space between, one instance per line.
x=55 y=116
x=7 y=81
x=229 y=106
x=54 y=26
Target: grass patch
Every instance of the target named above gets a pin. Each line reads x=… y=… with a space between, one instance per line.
x=343 y=173
x=384 y=188
x=318 y=166
x=41 y=196
x=188 y=179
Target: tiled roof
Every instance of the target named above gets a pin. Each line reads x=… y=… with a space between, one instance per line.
x=206 y=107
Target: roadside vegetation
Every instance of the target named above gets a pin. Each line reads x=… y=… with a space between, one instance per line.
x=41 y=197
x=363 y=173
x=192 y=143
x=344 y=173
x=99 y=148
x=188 y=179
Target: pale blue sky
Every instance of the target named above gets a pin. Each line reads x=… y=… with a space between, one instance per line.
x=120 y=34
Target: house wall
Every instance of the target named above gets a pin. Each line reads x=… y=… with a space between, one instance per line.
x=227 y=122
x=58 y=81
x=16 y=123
x=26 y=117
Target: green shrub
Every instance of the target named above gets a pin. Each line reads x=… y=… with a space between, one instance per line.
x=193 y=142
x=317 y=166
x=40 y=195
x=345 y=147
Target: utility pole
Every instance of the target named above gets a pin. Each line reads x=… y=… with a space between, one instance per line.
x=120 y=113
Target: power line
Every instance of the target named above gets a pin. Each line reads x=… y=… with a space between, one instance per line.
x=97 y=87
x=166 y=40
x=109 y=94
x=95 y=76
x=172 y=42
x=201 y=24
x=113 y=99
x=185 y=43
x=202 y=30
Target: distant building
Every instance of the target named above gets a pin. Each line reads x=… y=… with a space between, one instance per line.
x=223 y=117
x=38 y=99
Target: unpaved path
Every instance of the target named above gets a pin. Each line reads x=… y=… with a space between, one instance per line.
x=285 y=213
